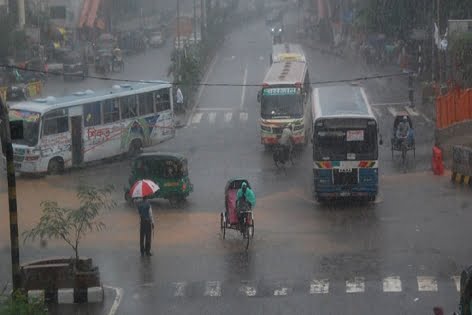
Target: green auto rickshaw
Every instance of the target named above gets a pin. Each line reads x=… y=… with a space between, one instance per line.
x=168 y=170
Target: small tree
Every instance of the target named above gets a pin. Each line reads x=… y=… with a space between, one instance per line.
x=72 y=224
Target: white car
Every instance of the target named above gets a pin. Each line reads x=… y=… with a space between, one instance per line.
x=156 y=39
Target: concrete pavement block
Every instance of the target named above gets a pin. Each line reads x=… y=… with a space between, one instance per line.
x=65 y=296
x=95 y=295
x=35 y=295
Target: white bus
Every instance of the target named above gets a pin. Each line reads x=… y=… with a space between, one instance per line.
x=87 y=126
x=286 y=100
x=287 y=52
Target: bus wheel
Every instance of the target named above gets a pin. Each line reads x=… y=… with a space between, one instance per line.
x=55 y=166
x=135 y=148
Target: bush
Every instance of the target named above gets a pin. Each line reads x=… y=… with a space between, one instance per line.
x=18 y=304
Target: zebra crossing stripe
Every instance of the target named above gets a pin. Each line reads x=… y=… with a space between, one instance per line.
x=427 y=284
x=179 y=288
x=457 y=282
x=411 y=111
x=197 y=118
x=392 y=284
x=392 y=111
x=213 y=288
x=281 y=292
x=355 y=285
x=319 y=286
x=243 y=116
x=248 y=290
x=212 y=117
x=228 y=117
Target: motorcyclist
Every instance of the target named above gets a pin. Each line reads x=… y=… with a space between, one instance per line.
x=286 y=141
x=245 y=200
x=403 y=129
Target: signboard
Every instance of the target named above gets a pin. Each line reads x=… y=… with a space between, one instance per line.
x=355 y=135
x=281 y=91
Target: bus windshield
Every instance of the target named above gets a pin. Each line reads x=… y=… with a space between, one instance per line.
x=281 y=103
x=30 y=126
x=345 y=143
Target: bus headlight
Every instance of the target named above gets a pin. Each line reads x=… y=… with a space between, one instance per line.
x=265 y=128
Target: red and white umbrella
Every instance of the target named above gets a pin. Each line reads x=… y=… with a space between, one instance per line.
x=143 y=188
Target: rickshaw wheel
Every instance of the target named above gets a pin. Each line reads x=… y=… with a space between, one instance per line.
x=223 y=224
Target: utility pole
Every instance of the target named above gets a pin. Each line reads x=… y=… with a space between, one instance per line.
x=195 y=21
x=7 y=147
x=21 y=14
x=202 y=20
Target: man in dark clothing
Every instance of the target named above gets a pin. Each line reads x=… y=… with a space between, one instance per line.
x=146 y=226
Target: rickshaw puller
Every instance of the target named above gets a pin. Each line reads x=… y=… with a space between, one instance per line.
x=245 y=200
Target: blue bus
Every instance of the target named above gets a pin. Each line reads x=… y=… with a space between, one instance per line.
x=345 y=144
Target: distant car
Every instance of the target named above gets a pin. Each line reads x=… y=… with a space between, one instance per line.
x=156 y=39
x=74 y=65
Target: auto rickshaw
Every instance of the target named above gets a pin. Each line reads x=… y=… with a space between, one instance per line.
x=168 y=170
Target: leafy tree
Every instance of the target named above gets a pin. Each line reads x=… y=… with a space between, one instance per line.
x=18 y=304
x=72 y=224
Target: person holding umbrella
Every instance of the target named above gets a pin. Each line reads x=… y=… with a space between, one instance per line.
x=140 y=192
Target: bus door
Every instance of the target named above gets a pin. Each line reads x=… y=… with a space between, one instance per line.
x=77 y=142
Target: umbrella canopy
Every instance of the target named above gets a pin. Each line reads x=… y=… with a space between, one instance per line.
x=143 y=188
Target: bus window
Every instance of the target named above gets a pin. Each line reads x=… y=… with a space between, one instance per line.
x=162 y=98
x=55 y=122
x=111 y=111
x=92 y=114
x=129 y=107
x=146 y=105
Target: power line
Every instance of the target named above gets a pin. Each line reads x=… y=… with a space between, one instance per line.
x=363 y=78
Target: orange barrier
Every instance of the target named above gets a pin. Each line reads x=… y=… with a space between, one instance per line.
x=437 y=161
x=454 y=107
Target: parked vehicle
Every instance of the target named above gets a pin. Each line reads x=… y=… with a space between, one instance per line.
x=74 y=66
x=156 y=39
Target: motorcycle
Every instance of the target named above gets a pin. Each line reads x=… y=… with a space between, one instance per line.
x=280 y=157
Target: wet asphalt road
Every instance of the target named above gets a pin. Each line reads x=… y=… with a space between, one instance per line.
x=397 y=256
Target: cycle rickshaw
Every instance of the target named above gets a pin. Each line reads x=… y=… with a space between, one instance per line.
x=229 y=218
x=403 y=144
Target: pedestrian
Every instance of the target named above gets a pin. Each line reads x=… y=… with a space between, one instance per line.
x=146 y=225
x=180 y=99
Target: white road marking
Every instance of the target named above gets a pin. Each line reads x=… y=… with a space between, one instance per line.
x=202 y=88
x=117 y=301
x=243 y=116
x=281 y=292
x=212 y=117
x=411 y=111
x=196 y=118
x=427 y=284
x=319 y=286
x=391 y=104
x=392 y=111
x=213 y=288
x=248 y=290
x=179 y=288
x=243 y=94
x=356 y=285
x=261 y=58
x=228 y=117
x=377 y=112
x=215 y=109
x=392 y=284
x=457 y=281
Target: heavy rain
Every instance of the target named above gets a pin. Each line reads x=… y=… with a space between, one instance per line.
x=235 y=156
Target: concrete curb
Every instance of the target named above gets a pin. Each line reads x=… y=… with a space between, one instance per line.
x=68 y=295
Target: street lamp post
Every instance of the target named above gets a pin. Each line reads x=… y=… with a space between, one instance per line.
x=7 y=147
